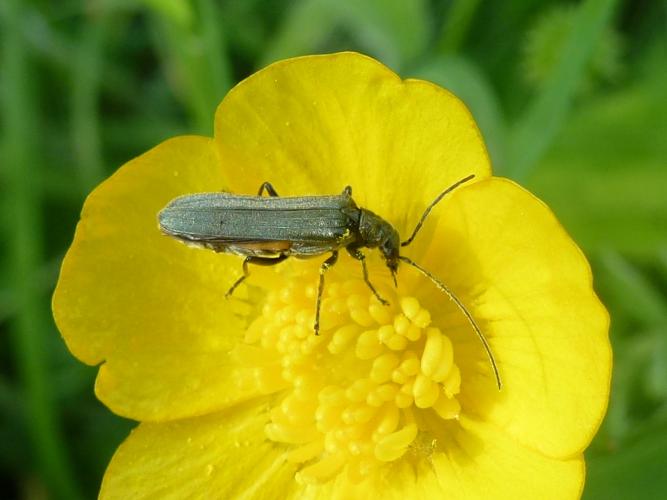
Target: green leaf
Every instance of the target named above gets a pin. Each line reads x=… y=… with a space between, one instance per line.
x=636 y=472
x=535 y=131
x=305 y=26
x=23 y=128
x=457 y=23
x=544 y=48
x=639 y=295
x=196 y=57
x=656 y=377
x=177 y=11
x=393 y=31
x=605 y=177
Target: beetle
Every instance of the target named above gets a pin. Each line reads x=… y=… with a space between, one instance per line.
x=267 y=230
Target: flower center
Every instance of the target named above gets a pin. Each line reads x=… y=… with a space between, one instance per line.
x=354 y=394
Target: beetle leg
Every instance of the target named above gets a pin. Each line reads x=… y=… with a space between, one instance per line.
x=357 y=254
x=266 y=186
x=259 y=261
x=320 y=289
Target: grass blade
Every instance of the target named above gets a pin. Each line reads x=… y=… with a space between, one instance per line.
x=30 y=326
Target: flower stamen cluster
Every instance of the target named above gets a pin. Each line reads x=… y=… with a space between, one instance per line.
x=352 y=393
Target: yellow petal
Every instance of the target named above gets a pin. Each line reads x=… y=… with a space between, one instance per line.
x=150 y=307
x=476 y=460
x=225 y=455
x=484 y=462
x=529 y=287
x=220 y=456
x=314 y=124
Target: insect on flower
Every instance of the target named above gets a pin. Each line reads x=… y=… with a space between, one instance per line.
x=268 y=230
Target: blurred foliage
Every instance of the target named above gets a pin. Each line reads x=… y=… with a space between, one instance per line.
x=545 y=43
x=570 y=98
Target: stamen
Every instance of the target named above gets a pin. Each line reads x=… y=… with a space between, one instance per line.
x=349 y=394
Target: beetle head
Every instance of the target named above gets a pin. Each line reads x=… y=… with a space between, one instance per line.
x=390 y=251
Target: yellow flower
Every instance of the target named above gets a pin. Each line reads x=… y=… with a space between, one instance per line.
x=238 y=397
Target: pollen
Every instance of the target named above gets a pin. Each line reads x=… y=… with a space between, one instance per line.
x=362 y=393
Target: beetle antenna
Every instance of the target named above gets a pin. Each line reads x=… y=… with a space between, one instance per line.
x=430 y=207
x=465 y=312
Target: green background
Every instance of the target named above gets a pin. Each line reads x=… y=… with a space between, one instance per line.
x=571 y=98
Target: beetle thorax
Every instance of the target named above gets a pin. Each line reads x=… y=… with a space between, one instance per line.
x=377 y=232
x=373 y=229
